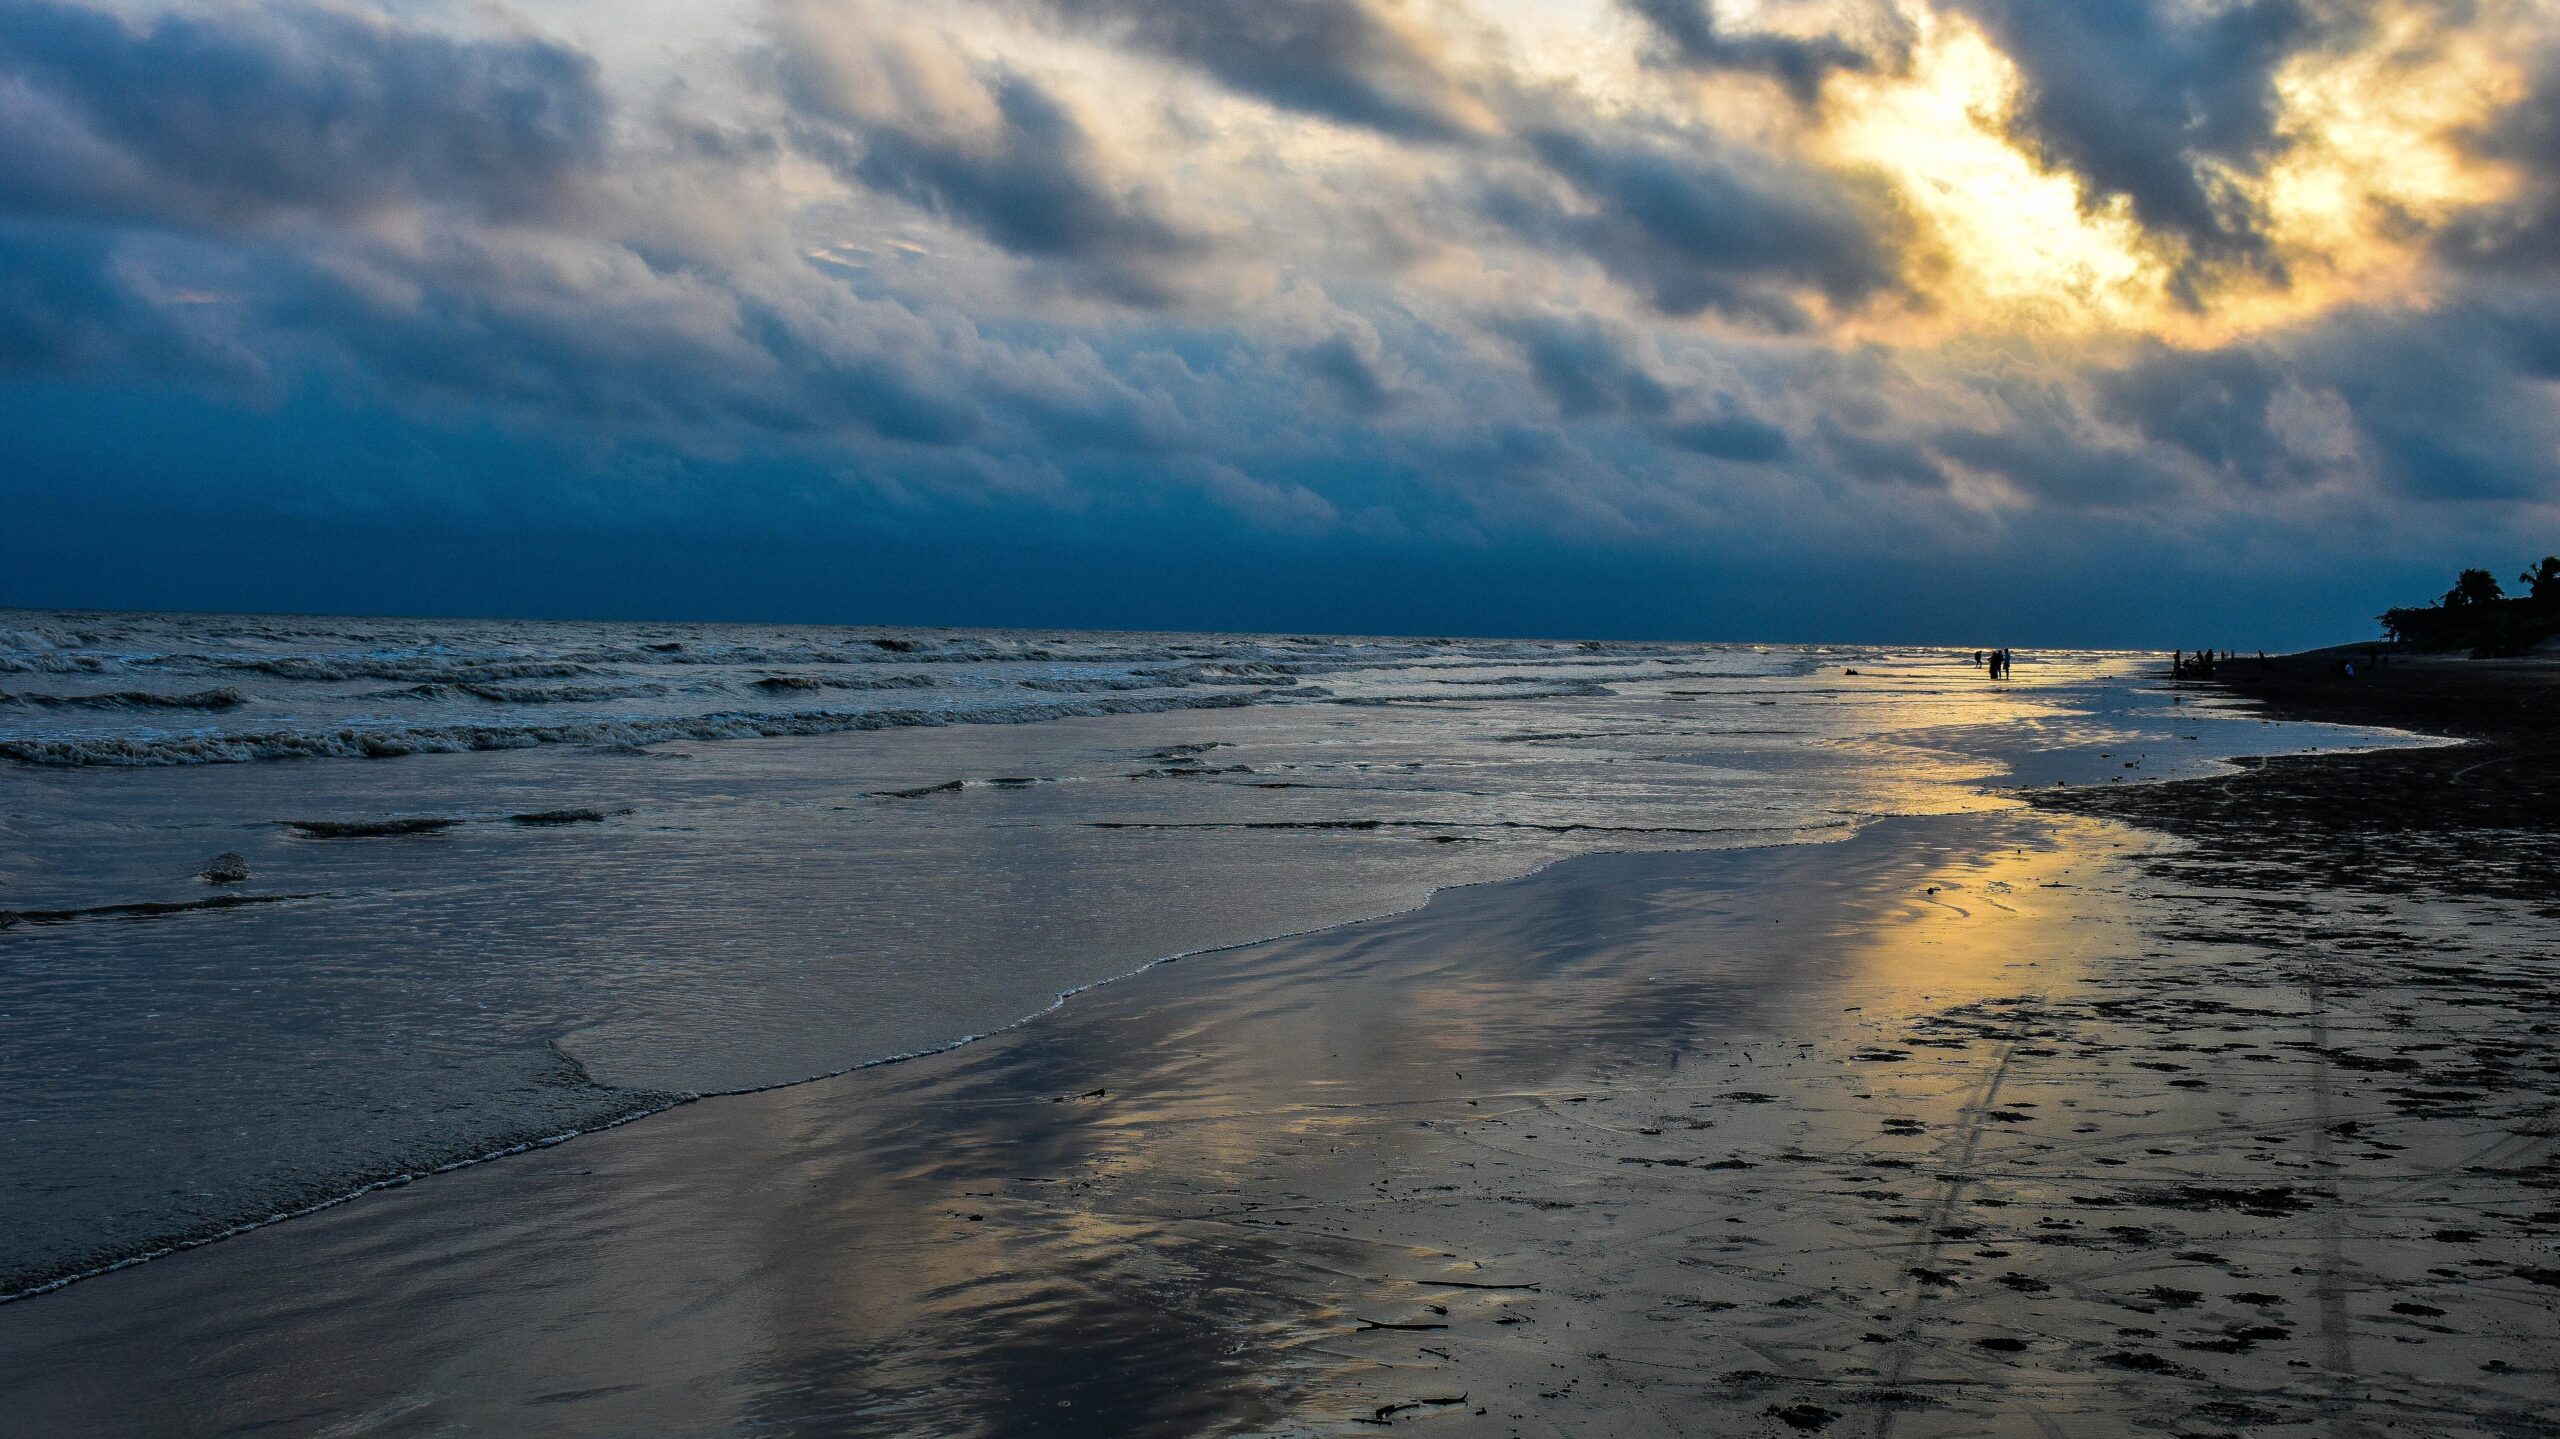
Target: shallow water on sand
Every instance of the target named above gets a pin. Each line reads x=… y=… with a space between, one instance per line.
x=1969 y=1125
x=643 y=895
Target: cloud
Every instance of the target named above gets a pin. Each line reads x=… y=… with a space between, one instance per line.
x=891 y=107
x=1694 y=225
x=2427 y=408
x=1736 y=437
x=1589 y=370
x=61 y=308
x=2214 y=405
x=2523 y=233
x=254 y=115
x=997 y=269
x=2164 y=102
x=1585 y=367
x=1349 y=366
x=1348 y=61
x=1692 y=37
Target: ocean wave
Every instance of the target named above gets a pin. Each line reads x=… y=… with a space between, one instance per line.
x=48 y=662
x=1544 y=690
x=1234 y=672
x=550 y=817
x=538 y=694
x=139 y=909
x=221 y=699
x=391 y=741
x=784 y=683
x=1089 y=684
x=525 y=694
x=369 y=828
x=402 y=669
x=886 y=649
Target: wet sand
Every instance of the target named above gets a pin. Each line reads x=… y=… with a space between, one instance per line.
x=2218 y=1107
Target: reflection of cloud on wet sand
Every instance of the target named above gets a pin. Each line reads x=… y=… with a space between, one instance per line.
x=1968 y=1120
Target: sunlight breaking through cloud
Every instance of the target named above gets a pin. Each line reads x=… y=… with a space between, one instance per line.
x=1690 y=277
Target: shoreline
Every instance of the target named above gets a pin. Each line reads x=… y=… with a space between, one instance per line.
x=649 y=1105
x=983 y=1210
x=2503 y=779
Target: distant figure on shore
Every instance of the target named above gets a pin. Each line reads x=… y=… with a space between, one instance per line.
x=2000 y=664
x=1977 y=659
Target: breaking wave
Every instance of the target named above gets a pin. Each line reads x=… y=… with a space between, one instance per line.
x=394 y=740
x=356 y=688
x=425 y=669
x=221 y=699
x=785 y=683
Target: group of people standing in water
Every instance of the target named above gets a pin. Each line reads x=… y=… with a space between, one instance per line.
x=1998 y=660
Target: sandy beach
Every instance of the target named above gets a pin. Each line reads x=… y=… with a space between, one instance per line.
x=1133 y=719
x=2224 y=1106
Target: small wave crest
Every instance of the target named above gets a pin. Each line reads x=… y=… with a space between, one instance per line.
x=421 y=669
x=783 y=684
x=51 y=662
x=1231 y=672
x=138 y=909
x=388 y=741
x=1090 y=684
x=369 y=828
x=221 y=699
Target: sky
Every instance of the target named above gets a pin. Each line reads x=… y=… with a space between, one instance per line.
x=2038 y=322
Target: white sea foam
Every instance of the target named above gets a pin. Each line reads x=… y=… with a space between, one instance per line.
x=288 y=688
x=383 y=742
x=759 y=913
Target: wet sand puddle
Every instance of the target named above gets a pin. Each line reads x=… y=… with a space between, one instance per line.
x=1970 y=1125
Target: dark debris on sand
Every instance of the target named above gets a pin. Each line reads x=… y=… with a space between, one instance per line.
x=2477 y=818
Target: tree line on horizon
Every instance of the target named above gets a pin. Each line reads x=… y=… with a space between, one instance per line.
x=2478 y=614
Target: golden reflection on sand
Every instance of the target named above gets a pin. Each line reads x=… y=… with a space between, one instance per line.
x=1971 y=1124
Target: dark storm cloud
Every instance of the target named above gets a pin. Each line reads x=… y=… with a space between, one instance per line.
x=597 y=340
x=1693 y=226
x=2522 y=234
x=2212 y=404
x=1584 y=367
x=2145 y=98
x=1337 y=59
x=1351 y=372
x=192 y=198
x=1879 y=455
x=2451 y=403
x=2055 y=467
x=1693 y=37
x=1735 y=437
x=2443 y=406
x=61 y=310
x=1590 y=370
x=1034 y=186
x=287 y=111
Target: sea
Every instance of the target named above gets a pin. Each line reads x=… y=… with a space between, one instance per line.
x=493 y=884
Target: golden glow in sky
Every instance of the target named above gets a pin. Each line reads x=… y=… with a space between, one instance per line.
x=2369 y=163
x=2367 y=160
x=2016 y=246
